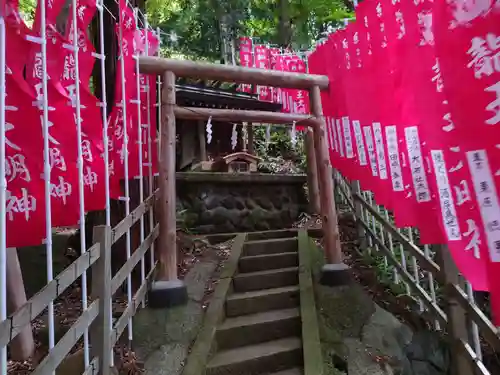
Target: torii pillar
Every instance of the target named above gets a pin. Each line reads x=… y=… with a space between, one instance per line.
x=167 y=290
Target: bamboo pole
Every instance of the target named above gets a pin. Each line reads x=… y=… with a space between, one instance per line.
x=328 y=212
x=167 y=215
x=254 y=118
x=312 y=173
x=230 y=73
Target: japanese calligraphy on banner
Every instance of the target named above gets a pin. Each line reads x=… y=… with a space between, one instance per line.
x=148 y=92
x=90 y=112
x=262 y=61
x=122 y=121
x=393 y=154
x=62 y=139
x=466 y=44
x=265 y=57
x=246 y=60
x=25 y=205
x=428 y=134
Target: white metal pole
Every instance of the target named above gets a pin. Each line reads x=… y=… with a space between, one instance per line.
x=46 y=167
x=474 y=328
x=139 y=146
x=81 y=188
x=125 y=165
x=105 y=125
x=391 y=247
x=150 y=155
x=104 y=109
x=416 y=271
x=432 y=288
x=3 y=196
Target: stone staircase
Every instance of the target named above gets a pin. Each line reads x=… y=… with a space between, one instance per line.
x=261 y=331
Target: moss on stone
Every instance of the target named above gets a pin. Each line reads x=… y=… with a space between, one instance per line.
x=342 y=312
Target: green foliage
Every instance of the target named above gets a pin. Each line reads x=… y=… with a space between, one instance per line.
x=279 y=156
x=27 y=9
x=201 y=25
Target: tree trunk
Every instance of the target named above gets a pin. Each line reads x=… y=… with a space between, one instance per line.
x=285 y=27
x=23 y=346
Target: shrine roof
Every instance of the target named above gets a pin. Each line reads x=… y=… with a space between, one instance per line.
x=198 y=95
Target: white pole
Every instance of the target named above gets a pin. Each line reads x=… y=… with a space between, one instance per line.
x=391 y=247
x=104 y=112
x=150 y=156
x=474 y=328
x=432 y=289
x=125 y=165
x=3 y=194
x=81 y=188
x=46 y=167
x=139 y=146
x=416 y=272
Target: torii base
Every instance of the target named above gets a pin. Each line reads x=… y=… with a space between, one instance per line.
x=335 y=275
x=164 y=294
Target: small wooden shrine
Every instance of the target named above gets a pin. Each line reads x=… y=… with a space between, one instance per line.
x=224 y=146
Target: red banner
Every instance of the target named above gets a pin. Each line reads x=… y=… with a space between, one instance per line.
x=425 y=140
x=246 y=59
x=25 y=204
x=263 y=61
x=468 y=47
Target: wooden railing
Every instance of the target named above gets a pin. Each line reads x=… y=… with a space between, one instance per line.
x=97 y=317
x=422 y=271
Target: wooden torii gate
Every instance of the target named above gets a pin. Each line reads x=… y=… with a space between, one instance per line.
x=168 y=290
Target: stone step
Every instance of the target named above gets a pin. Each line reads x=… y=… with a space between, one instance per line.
x=245 y=282
x=271 y=246
x=262 y=300
x=257 y=359
x=268 y=262
x=257 y=328
x=272 y=234
x=291 y=371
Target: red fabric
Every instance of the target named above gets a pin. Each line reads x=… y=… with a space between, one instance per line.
x=24 y=165
x=262 y=61
x=246 y=59
x=468 y=47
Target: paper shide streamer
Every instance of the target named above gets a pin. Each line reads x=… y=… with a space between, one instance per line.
x=293 y=134
x=268 y=135
x=208 y=129
x=234 y=136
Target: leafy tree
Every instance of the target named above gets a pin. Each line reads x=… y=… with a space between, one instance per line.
x=198 y=28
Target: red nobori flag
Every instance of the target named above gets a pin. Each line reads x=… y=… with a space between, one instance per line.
x=25 y=203
x=124 y=96
x=358 y=85
x=301 y=97
x=274 y=65
x=262 y=61
x=374 y=132
x=90 y=111
x=279 y=93
x=468 y=47
x=447 y=177
x=147 y=85
x=63 y=144
x=246 y=59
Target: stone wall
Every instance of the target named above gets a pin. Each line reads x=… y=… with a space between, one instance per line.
x=222 y=202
